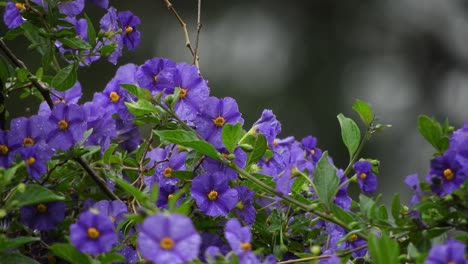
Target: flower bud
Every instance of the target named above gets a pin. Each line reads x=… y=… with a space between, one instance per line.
x=246 y=147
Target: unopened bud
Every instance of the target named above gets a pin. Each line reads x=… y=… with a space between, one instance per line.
x=315 y=250
x=21 y=187
x=246 y=147
x=3 y=213
x=354 y=225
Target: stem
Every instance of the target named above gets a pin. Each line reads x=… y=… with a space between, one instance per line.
x=197 y=38
x=323 y=256
x=367 y=136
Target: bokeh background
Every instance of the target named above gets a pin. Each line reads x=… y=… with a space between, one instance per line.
x=309 y=61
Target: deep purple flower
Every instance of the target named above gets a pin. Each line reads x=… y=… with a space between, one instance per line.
x=166 y=193
x=43 y=216
x=156 y=156
x=71 y=8
x=309 y=143
x=452 y=251
x=211 y=165
x=176 y=161
x=367 y=180
x=168 y=239
x=342 y=198
x=130 y=255
x=110 y=24
x=36 y=158
x=213 y=195
x=268 y=125
x=93 y=233
x=7 y=152
x=447 y=174
x=157 y=74
x=12 y=16
x=113 y=209
x=128 y=135
x=215 y=114
x=67 y=126
x=194 y=91
x=210 y=253
x=336 y=233
x=70 y=96
x=129 y=23
x=103 y=125
x=238 y=237
x=210 y=240
x=244 y=207
x=100 y=3
x=27 y=132
x=413 y=182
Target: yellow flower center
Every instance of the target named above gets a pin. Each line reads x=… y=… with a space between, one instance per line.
x=219 y=121
x=128 y=29
x=213 y=195
x=170 y=196
x=93 y=233
x=27 y=142
x=155 y=78
x=246 y=246
x=448 y=174
x=275 y=142
x=363 y=176
x=167 y=243
x=30 y=161
x=63 y=125
x=240 y=205
x=41 y=208
x=167 y=172
x=20 y=6
x=114 y=97
x=352 y=238
x=182 y=93
x=4 y=149
x=312 y=152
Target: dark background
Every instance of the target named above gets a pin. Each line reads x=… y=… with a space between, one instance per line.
x=309 y=61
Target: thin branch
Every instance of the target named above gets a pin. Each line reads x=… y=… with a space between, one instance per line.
x=323 y=256
x=184 y=27
x=98 y=180
x=42 y=89
x=197 y=38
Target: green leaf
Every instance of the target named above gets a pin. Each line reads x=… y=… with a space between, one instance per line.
x=188 y=139
x=432 y=131
x=130 y=189
x=183 y=175
x=325 y=180
x=365 y=204
x=109 y=258
x=91 y=31
x=260 y=146
x=16 y=257
x=12 y=34
x=22 y=74
x=364 y=110
x=33 y=194
x=142 y=107
x=231 y=134
x=341 y=214
x=383 y=249
x=107 y=155
x=7 y=243
x=75 y=43
x=396 y=206
x=39 y=73
x=350 y=134
x=140 y=93
x=107 y=50
x=69 y=253
x=65 y=78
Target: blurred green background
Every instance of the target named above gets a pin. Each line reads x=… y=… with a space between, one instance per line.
x=309 y=61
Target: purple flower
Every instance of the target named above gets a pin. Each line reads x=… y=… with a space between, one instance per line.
x=268 y=125
x=447 y=174
x=128 y=23
x=103 y=125
x=215 y=114
x=113 y=209
x=413 y=182
x=168 y=239
x=67 y=126
x=93 y=233
x=43 y=216
x=12 y=16
x=238 y=237
x=100 y=3
x=213 y=241
x=194 y=91
x=336 y=233
x=166 y=192
x=27 y=132
x=452 y=251
x=70 y=96
x=313 y=153
x=213 y=195
x=7 y=152
x=129 y=253
x=244 y=208
x=109 y=23
x=342 y=198
x=367 y=180
x=211 y=165
x=71 y=8
x=175 y=162
x=36 y=158
x=157 y=74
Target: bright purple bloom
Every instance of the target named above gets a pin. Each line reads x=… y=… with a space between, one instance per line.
x=447 y=174
x=176 y=161
x=244 y=208
x=157 y=74
x=156 y=156
x=268 y=125
x=12 y=16
x=71 y=8
x=113 y=209
x=67 y=126
x=313 y=153
x=27 y=132
x=210 y=240
x=367 y=180
x=129 y=23
x=168 y=239
x=215 y=114
x=336 y=233
x=194 y=91
x=211 y=252
x=109 y=23
x=452 y=251
x=238 y=237
x=36 y=158
x=342 y=198
x=211 y=165
x=130 y=255
x=93 y=233
x=213 y=195
x=166 y=192
x=100 y=3
x=103 y=125
x=7 y=152
x=43 y=216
